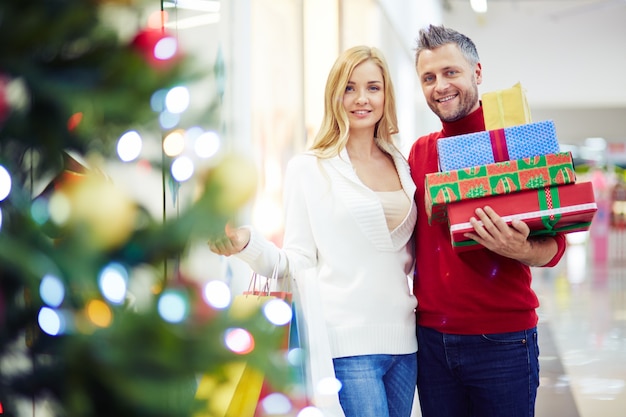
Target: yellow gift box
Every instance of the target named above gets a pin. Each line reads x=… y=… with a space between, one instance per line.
x=505 y=108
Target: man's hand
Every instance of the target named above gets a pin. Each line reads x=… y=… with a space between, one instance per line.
x=497 y=236
x=233 y=241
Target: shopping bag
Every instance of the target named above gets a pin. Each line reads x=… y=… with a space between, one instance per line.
x=238 y=395
x=282 y=288
x=265 y=289
x=321 y=386
x=268 y=288
x=296 y=343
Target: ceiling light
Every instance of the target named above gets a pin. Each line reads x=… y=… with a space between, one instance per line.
x=479 y=6
x=194 y=21
x=198 y=5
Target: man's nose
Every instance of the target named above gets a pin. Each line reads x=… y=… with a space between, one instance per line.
x=441 y=84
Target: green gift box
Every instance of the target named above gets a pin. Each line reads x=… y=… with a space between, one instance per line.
x=497 y=178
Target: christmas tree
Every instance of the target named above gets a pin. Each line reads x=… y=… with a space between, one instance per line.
x=71 y=335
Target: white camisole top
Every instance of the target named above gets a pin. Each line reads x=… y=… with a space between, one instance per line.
x=396 y=205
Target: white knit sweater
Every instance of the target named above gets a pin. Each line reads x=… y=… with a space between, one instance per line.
x=336 y=225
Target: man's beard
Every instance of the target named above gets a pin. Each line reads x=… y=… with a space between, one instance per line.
x=469 y=100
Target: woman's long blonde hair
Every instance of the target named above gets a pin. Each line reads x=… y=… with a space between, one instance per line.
x=334 y=131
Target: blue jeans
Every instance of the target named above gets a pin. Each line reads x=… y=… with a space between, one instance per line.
x=377 y=385
x=489 y=375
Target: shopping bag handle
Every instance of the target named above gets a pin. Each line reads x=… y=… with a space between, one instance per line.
x=264 y=289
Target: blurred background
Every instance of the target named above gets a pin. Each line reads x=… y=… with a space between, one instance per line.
x=567 y=54
x=256 y=89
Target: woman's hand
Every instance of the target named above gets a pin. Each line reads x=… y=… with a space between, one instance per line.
x=233 y=241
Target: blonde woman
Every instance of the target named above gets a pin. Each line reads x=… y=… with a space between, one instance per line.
x=350 y=215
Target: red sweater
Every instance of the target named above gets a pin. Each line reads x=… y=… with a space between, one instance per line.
x=474 y=292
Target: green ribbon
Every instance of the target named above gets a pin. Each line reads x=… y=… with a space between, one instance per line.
x=554 y=231
x=548 y=199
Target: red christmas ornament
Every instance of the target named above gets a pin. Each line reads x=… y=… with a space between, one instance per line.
x=5 y=107
x=74 y=121
x=158 y=47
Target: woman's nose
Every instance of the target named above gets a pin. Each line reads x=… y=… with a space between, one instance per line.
x=362 y=97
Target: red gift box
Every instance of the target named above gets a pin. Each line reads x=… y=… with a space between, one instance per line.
x=505 y=177
x=557 y=209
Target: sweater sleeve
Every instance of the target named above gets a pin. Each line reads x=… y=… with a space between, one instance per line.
x=561 y=246
x=262 y=255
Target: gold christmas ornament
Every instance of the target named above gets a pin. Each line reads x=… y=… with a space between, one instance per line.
x=236 y=178
x=107 y=214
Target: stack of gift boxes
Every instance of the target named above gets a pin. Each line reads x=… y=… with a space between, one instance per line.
x=514 y=166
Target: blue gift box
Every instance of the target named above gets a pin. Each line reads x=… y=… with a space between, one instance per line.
x=488 y=147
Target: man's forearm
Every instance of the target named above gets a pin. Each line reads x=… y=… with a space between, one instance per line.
x=541 y=251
